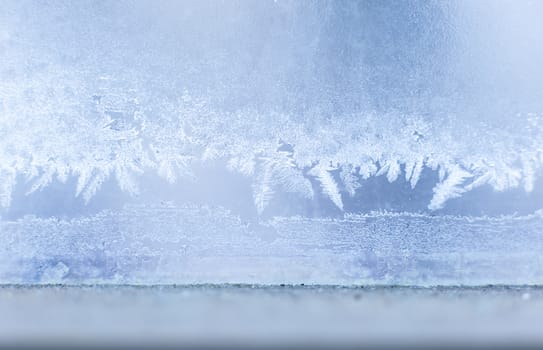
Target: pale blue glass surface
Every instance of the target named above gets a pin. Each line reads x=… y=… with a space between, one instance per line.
x=337 y=142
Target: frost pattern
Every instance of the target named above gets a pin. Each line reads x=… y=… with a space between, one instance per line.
x=201 y=244
x=94 y=148
x=92 y=113
x=450 y=187
x=328 y=183
x=278 y=171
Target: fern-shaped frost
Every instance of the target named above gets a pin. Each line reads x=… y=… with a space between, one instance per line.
x=450 y=188
x=262 y=191
x=391 y=168
x=367 y=169
x=413 y=169
x=99 y=177
x=42 y=181
x=278 y=171
x=328 y=183
x=349 y=179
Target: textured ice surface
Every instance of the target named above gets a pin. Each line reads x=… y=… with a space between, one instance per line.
x=299 y=98
x=147 y=245
x=295 y=141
